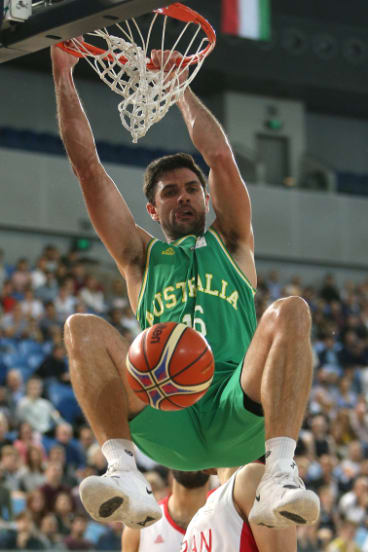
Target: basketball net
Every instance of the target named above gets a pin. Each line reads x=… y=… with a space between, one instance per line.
x=124 y=63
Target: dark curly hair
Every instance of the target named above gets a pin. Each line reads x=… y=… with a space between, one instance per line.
x=165 y=164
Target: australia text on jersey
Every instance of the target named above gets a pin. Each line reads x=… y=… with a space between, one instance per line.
x=179 y=292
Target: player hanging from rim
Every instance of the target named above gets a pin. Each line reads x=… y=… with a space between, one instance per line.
x=222 y=523
x=208 y=280
x=188 y=493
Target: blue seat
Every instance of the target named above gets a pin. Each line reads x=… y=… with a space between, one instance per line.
x=14 y=360
x=28 y=347
x=63 y=398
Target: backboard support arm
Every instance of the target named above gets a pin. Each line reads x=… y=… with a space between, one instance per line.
x=51 y=24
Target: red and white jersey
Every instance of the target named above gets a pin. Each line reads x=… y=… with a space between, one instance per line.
x=164 y=535
x=217 y=526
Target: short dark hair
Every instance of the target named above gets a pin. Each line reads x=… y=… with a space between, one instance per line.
x=169 y=163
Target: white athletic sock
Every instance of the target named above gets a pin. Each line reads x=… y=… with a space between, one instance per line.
x=280 y=454
x=119 y=452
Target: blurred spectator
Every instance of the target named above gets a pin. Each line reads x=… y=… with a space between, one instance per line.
x=54 y=366
x=344 y=542
x=7 y=297
x=32 y=473
x=73 y=453
x=53 y=484
x=329 y=291
x=111 y=538
x=92 y=295
x=24 y=537
x=15 y=388
x=353 y=505
x=86 y=439
x=318 y=440
x=63 y=509
x=36 y=506
x=52 y=255
x=4 y=272
x=38 y=274
x=328 y=517
x=325 y=475
x=4 y=428
x=353 y=351
x=117 y=298
x=21 y=277
x=49 y=533
x=31 y=307
x=64 y=303
x=273 y=285
x=15 y=323
x=115 y=319
x=294 y=287
x=10 y=464
x=129 y=321
x=359 y=422
x=78 y=272
x=49 y=290
x=328 y=353
x=342 y=432
x=346 y=397
x=26 y=438
x=39 y=412
x=5 y=403
x=76 y=540
x=49 y=320
x=6 y=505
x=57 y=453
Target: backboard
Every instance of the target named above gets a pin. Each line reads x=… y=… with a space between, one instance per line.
x=53 y=21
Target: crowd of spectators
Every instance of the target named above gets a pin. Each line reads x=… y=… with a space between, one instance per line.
x=46 y=447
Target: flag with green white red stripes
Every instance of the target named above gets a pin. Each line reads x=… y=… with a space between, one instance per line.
x=247 y=18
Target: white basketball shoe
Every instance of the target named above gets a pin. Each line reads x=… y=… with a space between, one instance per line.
x=282 y=500
x=118 y=495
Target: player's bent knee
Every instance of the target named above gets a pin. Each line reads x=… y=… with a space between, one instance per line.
x=79 y=326
x=294 y=312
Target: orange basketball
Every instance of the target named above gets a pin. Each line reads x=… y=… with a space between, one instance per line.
x=170 y=366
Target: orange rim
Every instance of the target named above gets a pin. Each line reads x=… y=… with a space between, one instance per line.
x=176 y=11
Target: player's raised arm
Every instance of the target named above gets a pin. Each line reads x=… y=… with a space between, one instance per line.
x=107 y=209
x=229 y=195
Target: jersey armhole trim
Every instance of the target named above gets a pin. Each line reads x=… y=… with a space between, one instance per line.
x=233 y=262
x=165 y=504
x=145 y=275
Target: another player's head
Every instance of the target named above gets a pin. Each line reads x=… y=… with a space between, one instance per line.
x=190 y=479
x=175 y=188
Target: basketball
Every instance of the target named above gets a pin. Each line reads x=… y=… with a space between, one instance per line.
x=170 y=366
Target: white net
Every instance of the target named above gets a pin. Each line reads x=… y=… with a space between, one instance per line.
x=125 y=66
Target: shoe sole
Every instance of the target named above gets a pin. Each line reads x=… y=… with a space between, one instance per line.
x=105 y=503
x=299 y=511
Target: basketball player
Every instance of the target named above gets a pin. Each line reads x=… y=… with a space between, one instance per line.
x=189 y=492
x=204 y=278
x=222 y=524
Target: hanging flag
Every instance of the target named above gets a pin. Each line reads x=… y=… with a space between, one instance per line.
x=246 y=18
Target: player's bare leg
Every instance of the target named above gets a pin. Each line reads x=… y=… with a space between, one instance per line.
x=278 y=373
x=97 y=354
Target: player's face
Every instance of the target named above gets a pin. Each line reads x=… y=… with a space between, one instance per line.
x=180 y=204
x=190 y=479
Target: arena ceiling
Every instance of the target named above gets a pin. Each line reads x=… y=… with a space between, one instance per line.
x=318 y=53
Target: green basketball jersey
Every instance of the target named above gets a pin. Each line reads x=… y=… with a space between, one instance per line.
x=194 y=280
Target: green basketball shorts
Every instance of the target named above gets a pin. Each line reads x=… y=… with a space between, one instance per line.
x=215 y=432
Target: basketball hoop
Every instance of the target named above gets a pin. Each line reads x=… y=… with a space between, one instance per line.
x=125 y=65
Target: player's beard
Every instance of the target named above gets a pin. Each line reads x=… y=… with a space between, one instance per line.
x=174 y=229
x=190 y=479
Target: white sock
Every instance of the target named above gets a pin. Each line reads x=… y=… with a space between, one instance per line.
x=280 y=454
x=119 y=452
